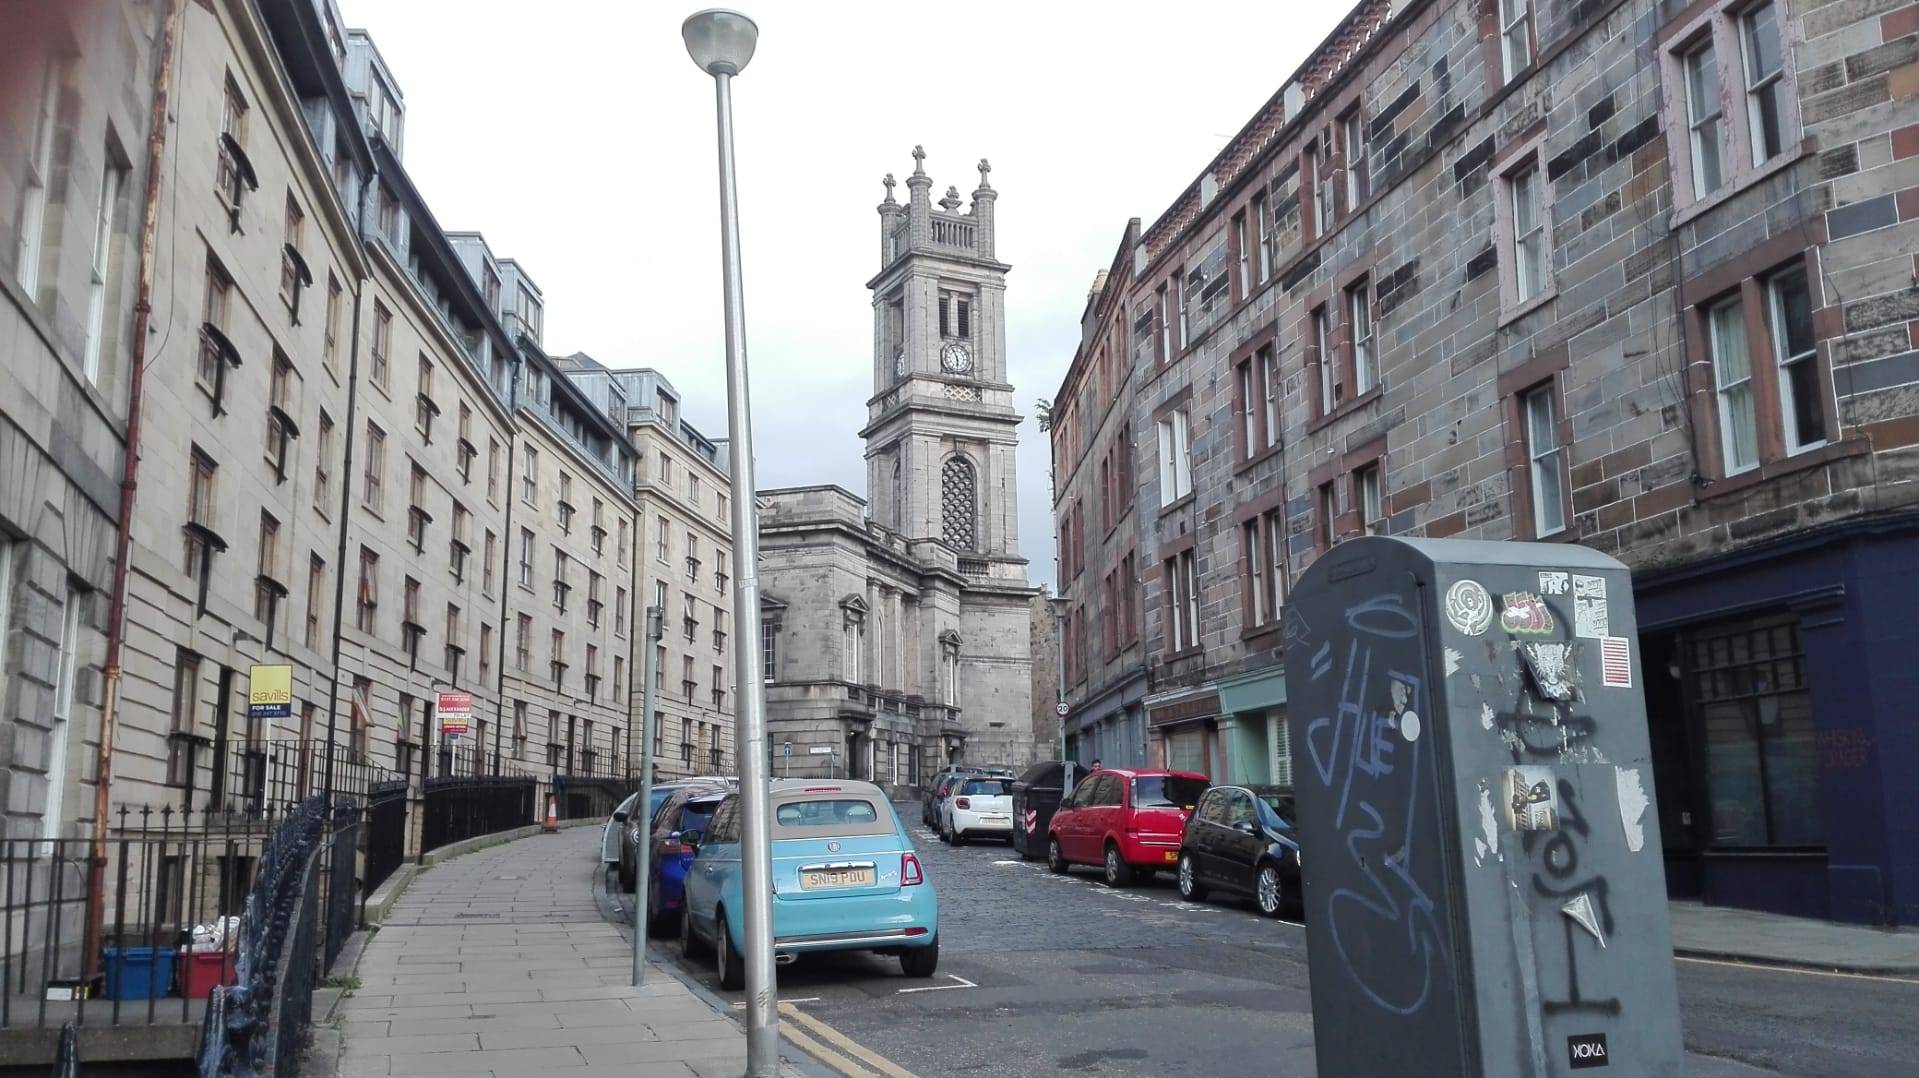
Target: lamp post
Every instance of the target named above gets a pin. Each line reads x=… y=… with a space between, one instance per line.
x=721 y=43
x=643 y=808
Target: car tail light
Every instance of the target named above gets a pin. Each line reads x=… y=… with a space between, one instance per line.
x=821 y=790
x=961 y=802
x=910 y=873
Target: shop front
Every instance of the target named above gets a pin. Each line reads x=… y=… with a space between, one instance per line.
x=1184 y=732
x=1253 y=730
x=1780 y=689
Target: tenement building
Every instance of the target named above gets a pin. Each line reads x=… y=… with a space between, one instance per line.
x=357 y=468
x=75 y=80
x=1103 y=675
x=897 y=628
x=682 y=559
x=1637 y=275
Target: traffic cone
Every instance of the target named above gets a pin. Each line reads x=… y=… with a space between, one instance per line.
x=552 y=824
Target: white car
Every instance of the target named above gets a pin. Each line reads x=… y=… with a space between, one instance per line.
x=610 y=833
x=979 y=806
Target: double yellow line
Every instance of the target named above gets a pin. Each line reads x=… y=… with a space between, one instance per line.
x=835 y=1049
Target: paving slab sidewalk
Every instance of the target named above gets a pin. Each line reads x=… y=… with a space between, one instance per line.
x=1700 y=931
x=499 y=964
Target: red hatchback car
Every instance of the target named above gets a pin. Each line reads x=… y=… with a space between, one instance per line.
x=1125 y=821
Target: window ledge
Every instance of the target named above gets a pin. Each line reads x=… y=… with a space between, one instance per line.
x=1773 y=469
x=1263 y=629
x=1257 y=459
x=1737 y=184
x=1509 y=315
x=1187 y=653
x=1345 y=409
x=1180 y=502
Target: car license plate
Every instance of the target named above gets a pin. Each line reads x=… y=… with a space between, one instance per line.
x=1172 y=855
x=819 y=879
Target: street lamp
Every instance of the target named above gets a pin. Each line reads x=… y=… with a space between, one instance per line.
x=721 y=42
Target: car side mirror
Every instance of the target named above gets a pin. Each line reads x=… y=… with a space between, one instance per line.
x=691 y=838
x=1246 y=826
x=619 y=817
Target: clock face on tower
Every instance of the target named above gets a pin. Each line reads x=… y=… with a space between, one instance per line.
x=955 y=358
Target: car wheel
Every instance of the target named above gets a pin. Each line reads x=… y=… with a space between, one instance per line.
x=1054 y=860
x=959 y=837
x=921 y=961
x=690 y=943
x=1269 y=892
x=732 y=969
x=1189 y=885
x=1118 y=872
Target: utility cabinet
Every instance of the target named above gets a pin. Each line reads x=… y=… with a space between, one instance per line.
x=1484 y=889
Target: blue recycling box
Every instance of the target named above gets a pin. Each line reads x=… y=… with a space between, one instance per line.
x=139 y=972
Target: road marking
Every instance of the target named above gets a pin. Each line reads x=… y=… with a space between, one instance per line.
x=1009 y=862
x=848 y=1045
x=1763 y=968
x=963 y=983
x=839 y=1063
x=740 y=1005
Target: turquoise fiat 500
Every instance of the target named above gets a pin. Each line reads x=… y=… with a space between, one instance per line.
x=845 y=878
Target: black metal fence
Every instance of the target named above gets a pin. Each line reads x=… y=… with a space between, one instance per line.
x=456 y=809
x=385 y=832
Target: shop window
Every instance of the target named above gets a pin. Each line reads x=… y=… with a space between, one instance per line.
x=1755 y=717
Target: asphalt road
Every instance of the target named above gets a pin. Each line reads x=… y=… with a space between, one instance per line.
x=1042 y=974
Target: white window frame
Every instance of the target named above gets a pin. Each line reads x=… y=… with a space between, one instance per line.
x=33 y=204
x=1252 y=549
x=1515 y=37
x=1369 y=497
x=1328 y=361
x=1727 y=390
x=1359 y=316
x=1242 y=260
x=1757 y=83
x=62 y=716
x=1783 y=362
x=112 y=177
x=1352 y=137
x=1267 y=360
x=1539 y=412
x=1705 y=120
x=1249 y=409
x=1175 y=457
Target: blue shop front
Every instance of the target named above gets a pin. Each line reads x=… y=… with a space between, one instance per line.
x=1782 y=689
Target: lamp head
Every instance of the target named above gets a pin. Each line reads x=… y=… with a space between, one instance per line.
x=720 y=41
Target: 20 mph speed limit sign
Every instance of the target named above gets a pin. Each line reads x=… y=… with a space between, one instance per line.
x=1062 y=709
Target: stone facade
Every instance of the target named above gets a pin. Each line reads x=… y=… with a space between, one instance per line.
x=1521 y=282
x=352 y=437
x=682 y=556
x=901 y=632
x=75 y=82
x=1094 y=449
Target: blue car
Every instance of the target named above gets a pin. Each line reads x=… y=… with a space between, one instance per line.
x=845 y=878
x=689 y=809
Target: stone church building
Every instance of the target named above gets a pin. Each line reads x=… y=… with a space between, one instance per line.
x=897 y=628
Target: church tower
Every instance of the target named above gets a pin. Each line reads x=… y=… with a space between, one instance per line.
x=941 y=426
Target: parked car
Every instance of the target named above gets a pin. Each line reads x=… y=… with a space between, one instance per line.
x=690 y=808
x=845 y=878
x=1125 y=820
x=1241 y=839
x=614 y=831
x=936 y=792
x=1036 y=796
x=977 y=806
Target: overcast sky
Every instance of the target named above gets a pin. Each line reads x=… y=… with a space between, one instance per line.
x=579 y=139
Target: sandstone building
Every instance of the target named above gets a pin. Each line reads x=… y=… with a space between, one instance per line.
x=898 y=629
x=1637 y=275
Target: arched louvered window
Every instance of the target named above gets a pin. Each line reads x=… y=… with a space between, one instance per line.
x=959 y=504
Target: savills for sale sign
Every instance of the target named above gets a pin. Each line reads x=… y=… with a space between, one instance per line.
x=456 y=712
x=270 y=692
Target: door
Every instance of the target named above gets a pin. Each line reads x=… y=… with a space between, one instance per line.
x=1240 y=842
x=1072 y=822
x=1108 y=811
x=1202 y=837
x=713 y=868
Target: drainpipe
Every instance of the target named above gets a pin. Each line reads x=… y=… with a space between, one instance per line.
x=129 y=482
x=367 y=187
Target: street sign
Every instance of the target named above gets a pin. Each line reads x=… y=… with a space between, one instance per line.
x=270 y=692
x=821 y=750
x=1062 y=709
x=456 y=712
x=786 y=749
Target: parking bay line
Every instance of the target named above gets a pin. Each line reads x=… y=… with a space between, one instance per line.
x=839 y=1040
x=963 y=983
